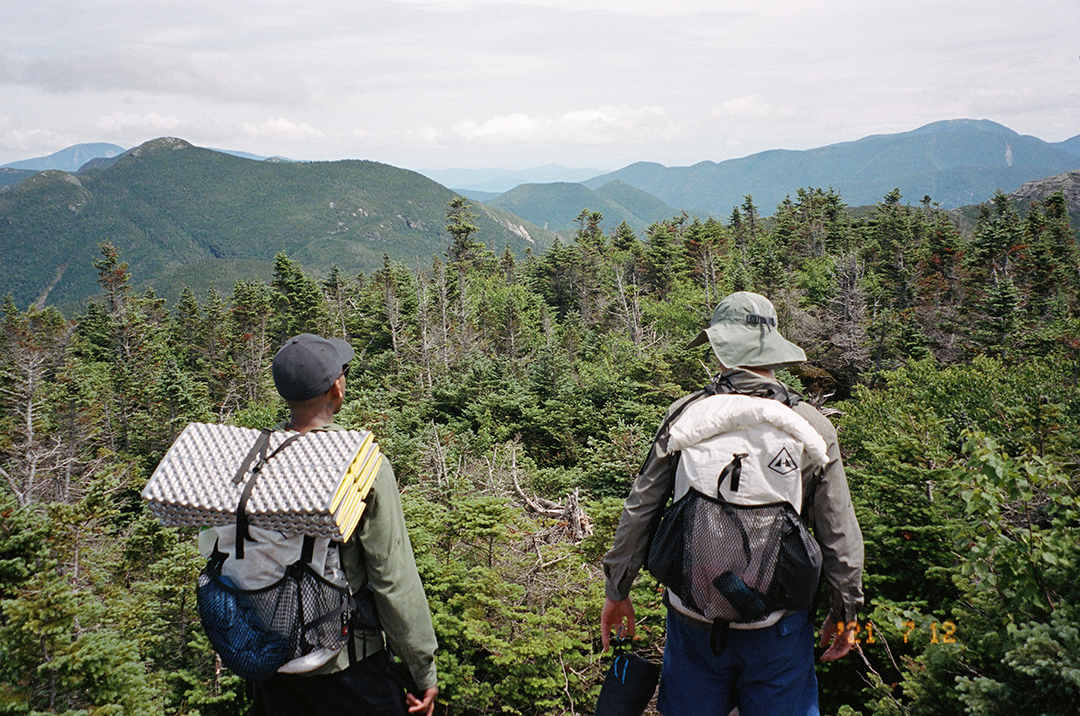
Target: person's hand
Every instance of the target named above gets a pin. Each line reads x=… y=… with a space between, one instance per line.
x=839 y=643
x=614 y=615
x=425 y=707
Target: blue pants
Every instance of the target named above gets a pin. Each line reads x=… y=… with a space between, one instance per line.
x=763 y=672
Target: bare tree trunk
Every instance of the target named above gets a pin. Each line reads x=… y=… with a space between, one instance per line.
x=849 y=310
x=444 y=300
x=35 y=464
x=393 y=317
x=630 y=310
x=423 y=296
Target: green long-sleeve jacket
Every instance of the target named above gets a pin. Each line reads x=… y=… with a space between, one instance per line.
x=380 y=553
x=832 y=518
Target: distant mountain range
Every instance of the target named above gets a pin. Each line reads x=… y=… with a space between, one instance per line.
x=183 y=215
x=955 y=163
x=557 y=206
x=66 y=160
x=473 y=182
x=70 y=159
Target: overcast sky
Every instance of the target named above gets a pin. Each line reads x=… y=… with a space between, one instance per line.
x=435 y=84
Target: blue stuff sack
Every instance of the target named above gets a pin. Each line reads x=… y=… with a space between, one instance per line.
x=235 y=630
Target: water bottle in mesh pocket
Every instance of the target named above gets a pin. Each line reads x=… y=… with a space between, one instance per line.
x=257 y=631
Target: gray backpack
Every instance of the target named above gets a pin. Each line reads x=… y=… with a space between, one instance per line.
x=272 y=602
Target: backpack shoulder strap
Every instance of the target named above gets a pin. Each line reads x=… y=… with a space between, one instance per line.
x=257 y=450
x=670 y=491
x=776 y=391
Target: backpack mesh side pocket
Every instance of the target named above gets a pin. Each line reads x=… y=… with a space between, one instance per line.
x=798 y=567
x=665 y=559
x=257 y=631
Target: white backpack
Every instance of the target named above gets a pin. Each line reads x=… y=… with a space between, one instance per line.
x=773 y=439
x=733 y=547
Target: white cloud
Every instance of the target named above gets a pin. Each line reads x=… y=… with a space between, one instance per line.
x=650 y=8
x=195 y=76
x=600 y=82
x=749 y=107
x=15 y=141
x=125 y=122
x=283 y=130
x=612 y=124
x=424 y=137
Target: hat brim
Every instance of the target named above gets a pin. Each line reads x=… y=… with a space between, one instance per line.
x=739 y=345
x=344 y=350
x=701 y=338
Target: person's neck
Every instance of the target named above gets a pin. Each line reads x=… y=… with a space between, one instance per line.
x=302 y=422
x=763 y=372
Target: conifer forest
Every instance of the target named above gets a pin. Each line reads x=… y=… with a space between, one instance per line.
x=516 y=396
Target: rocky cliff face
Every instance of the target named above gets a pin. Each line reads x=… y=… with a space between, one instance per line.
x=1067 y=183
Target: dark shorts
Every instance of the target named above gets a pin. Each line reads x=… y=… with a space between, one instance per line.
x=763 y=672
x=364 y=689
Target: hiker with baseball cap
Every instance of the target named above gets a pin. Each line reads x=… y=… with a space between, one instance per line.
x=310 y=373
x=738 y=623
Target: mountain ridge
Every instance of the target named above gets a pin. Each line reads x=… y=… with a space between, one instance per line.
x=70 y=159
x=170 y=206
x=556 y=206
x=498 y=181
x=955 y=162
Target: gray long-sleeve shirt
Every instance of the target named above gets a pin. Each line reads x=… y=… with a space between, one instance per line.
x=832 y=516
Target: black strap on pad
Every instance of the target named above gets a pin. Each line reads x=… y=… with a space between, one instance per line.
x=258 y=449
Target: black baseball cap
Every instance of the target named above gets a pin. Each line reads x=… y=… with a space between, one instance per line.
x=307 y=365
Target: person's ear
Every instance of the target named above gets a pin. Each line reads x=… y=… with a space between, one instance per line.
x=337 y=390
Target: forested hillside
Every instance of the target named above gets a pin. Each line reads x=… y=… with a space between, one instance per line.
x=556 y=206
x=196 y=217
x=516 y=398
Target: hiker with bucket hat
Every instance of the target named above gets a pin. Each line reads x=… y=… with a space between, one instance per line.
x=733 y=642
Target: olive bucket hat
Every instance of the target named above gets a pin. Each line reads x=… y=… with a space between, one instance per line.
x=743 y=333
